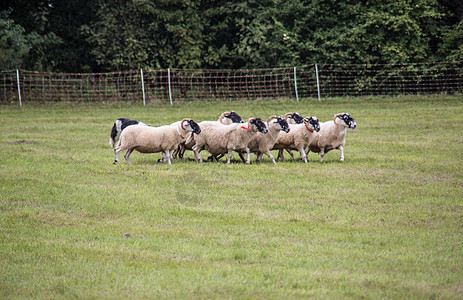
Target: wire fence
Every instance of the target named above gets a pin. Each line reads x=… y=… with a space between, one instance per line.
x=176 y=85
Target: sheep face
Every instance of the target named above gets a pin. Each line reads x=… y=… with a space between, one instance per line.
x=347 y=119
x=283 y=124
x=297 y=118
x=234 y=117
x=260 y=125
x=312 y=123
x=191 y=126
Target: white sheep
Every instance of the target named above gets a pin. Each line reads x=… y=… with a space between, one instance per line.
x=226 y=118
x=291 y=118
x=333 y=135
x=299 y=136
x=219 y=139
x=120 y=125
x=147 y=139
x=263 y=143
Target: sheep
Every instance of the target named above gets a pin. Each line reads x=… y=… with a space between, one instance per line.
x=294 y=118
x=120 y=125
x=333 y=135
x=219 y=139
x=262 y=143
x=299 y=136
x=226 y=118
x=147 y=139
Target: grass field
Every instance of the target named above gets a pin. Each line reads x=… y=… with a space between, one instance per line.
x=386 y=223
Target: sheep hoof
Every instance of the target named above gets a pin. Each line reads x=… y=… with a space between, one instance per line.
x=115 y=162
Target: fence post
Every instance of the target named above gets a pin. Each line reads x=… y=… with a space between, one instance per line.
x=19 y=87
x=295 y=85
x=318 y=83
x=142 y=86
x=170 y=89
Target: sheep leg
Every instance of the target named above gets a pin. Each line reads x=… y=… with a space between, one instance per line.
x=198 y=157
x=163 y=157
x=176 y=152
x=259 y=157
x=281 y=155
x=242 y=157
x=116 y=152
x=290 y=153
x=229 y=156
x=248 y=158
x=213 y=158
x=342 y=153
x=127 y=156
x=168 y=156
x=116 y=156
x=180 y=151
x=269 y=156
x=322 y=153
x=303 y=155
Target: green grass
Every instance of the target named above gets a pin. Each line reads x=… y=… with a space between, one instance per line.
x=386 y=223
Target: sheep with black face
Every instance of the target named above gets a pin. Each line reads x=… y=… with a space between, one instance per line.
x=299 y=137
x=263 y=143
x=226 y=118
x=332 y=135
x=294 y=118
x=147 y=139
x=291 y=118
x=220 y=139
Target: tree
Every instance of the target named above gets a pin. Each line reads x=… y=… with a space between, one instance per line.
x=14 y=45
x=140 y=33
x=87 y=35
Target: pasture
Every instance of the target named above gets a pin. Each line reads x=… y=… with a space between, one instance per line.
x=386 y=223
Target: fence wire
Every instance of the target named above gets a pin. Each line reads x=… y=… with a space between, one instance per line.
x=206 y=85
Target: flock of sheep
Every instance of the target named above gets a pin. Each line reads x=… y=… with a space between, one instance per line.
x=230 y=133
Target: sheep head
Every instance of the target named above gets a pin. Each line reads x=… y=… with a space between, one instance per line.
x=232 y=116
x=259 y=124
x=347 y=119
x=281 y=121
x=313 y=123
x=283 y=124
x=298 y=119
x=191 y=125
x=236 y=118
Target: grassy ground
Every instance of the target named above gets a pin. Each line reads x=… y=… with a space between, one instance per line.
x=386 y=223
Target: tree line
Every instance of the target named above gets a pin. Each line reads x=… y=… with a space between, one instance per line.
x=118 y=35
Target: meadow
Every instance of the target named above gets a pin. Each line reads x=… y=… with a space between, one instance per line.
x=385 y=223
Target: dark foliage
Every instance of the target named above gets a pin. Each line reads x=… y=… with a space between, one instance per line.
x=94 y=36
